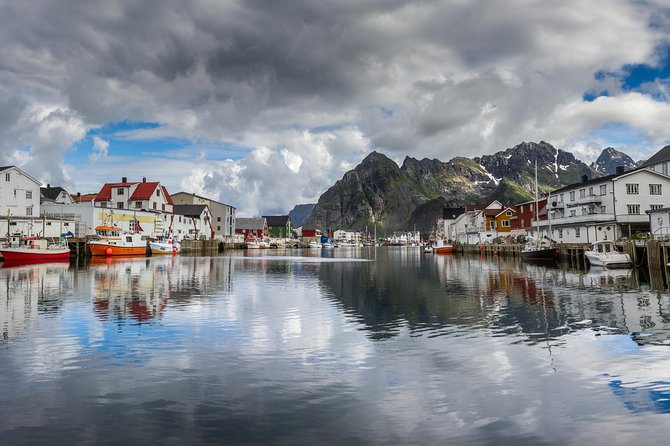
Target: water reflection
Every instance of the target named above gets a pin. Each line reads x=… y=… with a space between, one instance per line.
x=363 y=345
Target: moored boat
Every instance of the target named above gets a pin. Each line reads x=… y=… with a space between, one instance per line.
x=539 y=250
x=604 y=253
x=441 y=247
x=34 y=248
x=164 y=246
x=254 y=243
x=113 y=241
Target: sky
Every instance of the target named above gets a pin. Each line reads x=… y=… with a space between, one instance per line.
x=265 y=104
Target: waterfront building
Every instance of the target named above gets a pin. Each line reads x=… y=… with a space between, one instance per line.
x=606 y=208
x=55 y=195
x=449 y=216
x=19 y=193
x=342 y=235
x=526 y=213
x=223 y=215
x=192 y=222
x=252 y=227
x=279 y=226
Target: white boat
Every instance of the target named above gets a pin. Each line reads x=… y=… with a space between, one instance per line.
x=257 y=244
x=314 y=245
x=165 y=246
x=428 y=248
x=604 y=253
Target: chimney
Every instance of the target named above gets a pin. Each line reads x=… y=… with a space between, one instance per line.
x=619 y=170
x=585 y=178
x=79 y=194
x=124 y=179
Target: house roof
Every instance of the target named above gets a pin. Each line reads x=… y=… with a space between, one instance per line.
x=5 y=168
x=204 y=198
x=277 y=220
x=505 y=209
x=143 y=191
x=250 y=223
x=587 y=182
x=84 y=197
x=51 y=193
x=659 y=157
x=189 y=210
x=24 y=173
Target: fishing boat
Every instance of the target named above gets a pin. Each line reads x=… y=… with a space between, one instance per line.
x=604 y=253
x=111 y=240
x=441 y=247
x=34 y=248
x=539 y=249
x=164 y=246
x=255 y=243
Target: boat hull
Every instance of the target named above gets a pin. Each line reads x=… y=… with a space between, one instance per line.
x=617 y=261
x=545 y=254
x=163 y=248
x=14 y=254
x=104 y=249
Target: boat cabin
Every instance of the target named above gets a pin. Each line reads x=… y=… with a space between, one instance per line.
x=605 y=247
x=108 y=231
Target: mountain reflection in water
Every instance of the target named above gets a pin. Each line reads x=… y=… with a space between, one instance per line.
x=369 y=345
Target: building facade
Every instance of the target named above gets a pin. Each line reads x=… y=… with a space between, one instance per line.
x=223 y=215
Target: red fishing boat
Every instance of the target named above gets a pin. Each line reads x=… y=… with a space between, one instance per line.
x=34 y=248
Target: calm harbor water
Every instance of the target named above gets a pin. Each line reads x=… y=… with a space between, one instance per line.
x=355 y=346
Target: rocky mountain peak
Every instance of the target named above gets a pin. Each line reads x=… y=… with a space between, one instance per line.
x=609 y=159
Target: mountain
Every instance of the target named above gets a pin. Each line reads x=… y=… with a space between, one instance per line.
x=379 y=192
x=300 y=213
x=610 y=158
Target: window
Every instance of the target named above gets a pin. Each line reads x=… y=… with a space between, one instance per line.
x=8 y=177
x=573 y=213
x=158 y=192
x=155 y=206
x=163 y=206
x=131 y=225
x=505 y=223
x=572 y=196
x=582 y=193
x=29 y=194
x=654 y=189
x=632 y=189
x=560 y=233
x=665 y=168
x=119 y=205
x=633 y=209
x=560 y=198
x=531 y=207
x=138 y=205
x=218 y=218
x=29 y=211
x=14 y=193
x=603 y=189
x=508 y=213
x=603 y=209
x=119 y=191
x=218 y=228
x=655 y=207
x=591 y=191
x=103 y=204
x=492 y=225
x=578 y=232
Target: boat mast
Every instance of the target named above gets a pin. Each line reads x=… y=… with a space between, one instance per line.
x=537 y=220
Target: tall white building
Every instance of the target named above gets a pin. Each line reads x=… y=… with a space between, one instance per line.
x=19 y=193
x=606 y=208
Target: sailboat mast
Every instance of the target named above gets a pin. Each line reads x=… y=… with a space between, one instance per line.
x=537 y=220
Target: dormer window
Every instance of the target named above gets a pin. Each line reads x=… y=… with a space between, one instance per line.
x=119 y=191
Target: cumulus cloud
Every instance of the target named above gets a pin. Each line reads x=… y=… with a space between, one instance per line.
x=100 y=149
x=308 y=88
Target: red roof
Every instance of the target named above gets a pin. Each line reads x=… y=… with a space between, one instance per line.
x=105 y=193
x=143 y=191
x=84 y=198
